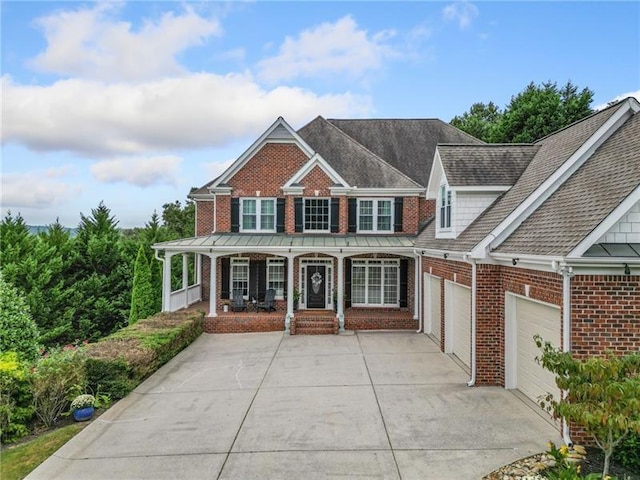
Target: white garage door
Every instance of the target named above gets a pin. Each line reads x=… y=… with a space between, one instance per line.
x=432 y=286
x=458 y=321
x=533 y=318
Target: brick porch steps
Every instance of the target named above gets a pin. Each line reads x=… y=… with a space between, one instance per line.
x=314 y=323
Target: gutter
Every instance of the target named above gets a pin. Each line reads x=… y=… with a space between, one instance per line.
x=474 y=288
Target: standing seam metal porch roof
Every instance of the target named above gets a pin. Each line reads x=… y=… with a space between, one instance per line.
x=276 y=240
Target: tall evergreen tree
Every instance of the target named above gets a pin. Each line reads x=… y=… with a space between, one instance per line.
x=142 y=298
x=18 y=330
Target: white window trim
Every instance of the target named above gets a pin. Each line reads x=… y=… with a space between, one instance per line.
x=239 y=261
x=279 y=262
x=259 y=201
x=382 y=263
x=375 y=228
x=304 y=214
x=448 y=231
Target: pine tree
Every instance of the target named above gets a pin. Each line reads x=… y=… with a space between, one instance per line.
x=19 y=331
x=142 y=298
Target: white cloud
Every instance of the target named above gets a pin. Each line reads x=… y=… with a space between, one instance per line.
x=622 y=96
x=329 y=49
x=461 y=12
x=192 y=111
x=87 y=43
x=215 y=169
x=37 y=189
x=139 y=171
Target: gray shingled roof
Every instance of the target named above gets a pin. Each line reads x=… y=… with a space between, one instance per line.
x=407 y=144
x=473 y=165
x=585 y=199
x=554 y=150
x=356 y=164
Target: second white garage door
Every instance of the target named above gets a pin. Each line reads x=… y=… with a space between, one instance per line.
x=457 y=317
x=432 y=286
x=529 y=318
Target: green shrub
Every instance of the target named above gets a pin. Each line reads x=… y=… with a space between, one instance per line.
x=16 y=402
x=19 y=331
x=628 y=452
x=118 y=363
x=57 y=378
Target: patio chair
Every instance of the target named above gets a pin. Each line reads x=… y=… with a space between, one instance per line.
x=239 y=304
x=269 y=301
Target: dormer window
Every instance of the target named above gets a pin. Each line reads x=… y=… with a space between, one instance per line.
x=445 y=207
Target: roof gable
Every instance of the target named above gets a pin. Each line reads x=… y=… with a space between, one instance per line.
x=316 y=161
x=279 y=132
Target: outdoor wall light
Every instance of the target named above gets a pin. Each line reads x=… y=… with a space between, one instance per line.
x=446 y=255
x=627 y=270
x=515 y=261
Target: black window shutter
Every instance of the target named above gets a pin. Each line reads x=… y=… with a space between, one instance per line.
x=235 y=214
x=353 y=215
x=397 y=223
x=404 y=282
x=335 y=215
x=257 y=278
x=224 y=277
x=347 y=283
x=280 y=215
x=286 y=275
x=297 y=203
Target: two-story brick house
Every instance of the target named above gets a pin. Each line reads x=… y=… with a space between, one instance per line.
x=328 y=213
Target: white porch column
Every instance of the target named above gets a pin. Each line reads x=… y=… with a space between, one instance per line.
x=213 y=291
x=185 y=277
x=416 y=287
x=290 y=288
x=340 y=299
x=166 y=282
x=198 y=270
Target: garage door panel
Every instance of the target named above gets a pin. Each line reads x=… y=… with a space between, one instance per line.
x=433 y=304
x=458 y=316
x=534 y=318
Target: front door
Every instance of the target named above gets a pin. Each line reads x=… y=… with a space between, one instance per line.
x=316 y=286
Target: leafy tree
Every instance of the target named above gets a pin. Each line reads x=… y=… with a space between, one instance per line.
x=480 y=121
x=142 y=298
x=603 y=394
x=19 y=331
x=179 y=221
x=532 y=114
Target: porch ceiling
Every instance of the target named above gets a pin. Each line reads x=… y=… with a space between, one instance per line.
x=225 y=241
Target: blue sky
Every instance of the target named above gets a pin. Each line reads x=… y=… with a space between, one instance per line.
x=134 y=103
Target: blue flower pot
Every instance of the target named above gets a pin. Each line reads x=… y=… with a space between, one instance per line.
x=83 y=414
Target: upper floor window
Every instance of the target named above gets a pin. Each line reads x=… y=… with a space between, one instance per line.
x=375 y=216
x=258 y=214
x=445 y=207
x=317 y=217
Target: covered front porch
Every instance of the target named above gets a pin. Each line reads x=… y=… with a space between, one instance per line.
x=364 y=282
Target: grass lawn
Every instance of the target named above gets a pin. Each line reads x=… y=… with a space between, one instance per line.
x=19 y=461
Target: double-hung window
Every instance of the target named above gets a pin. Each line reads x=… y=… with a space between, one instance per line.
x=240 y=275
x=445 y=207
x=258 y=214
x=317 y=215
x=375 y=215
x=375 y=283
x=276 y=275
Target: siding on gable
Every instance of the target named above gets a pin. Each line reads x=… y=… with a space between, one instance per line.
x=468 y=206
x=626 y=230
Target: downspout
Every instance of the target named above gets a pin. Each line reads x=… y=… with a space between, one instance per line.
x=474 y=267
x=215 y=214
x=420 y=292
x=567 y=273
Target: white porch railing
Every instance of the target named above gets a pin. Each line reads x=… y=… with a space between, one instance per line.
x=184 y=297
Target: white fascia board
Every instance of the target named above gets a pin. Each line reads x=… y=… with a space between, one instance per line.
x=481 y=188
x=221 y=190
x=437 y=253
x=435 y=176
x=259 y=143
x=606 y=224
x=293 y=190
x=201 y=196
x=316 y=161
x=340 y=191
x=386 y=192
x=530 y=204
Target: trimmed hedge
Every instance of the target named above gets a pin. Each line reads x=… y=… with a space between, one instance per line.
x=118 y=363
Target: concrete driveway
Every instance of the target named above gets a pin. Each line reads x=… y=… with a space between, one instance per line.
x=379 y=405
